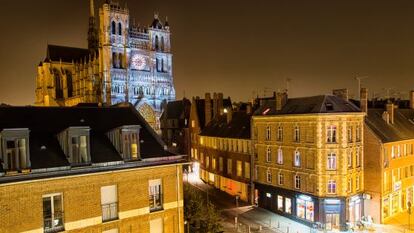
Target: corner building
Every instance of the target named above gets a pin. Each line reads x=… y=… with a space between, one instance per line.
x=309 y=159
x=86 y=169
x=124 y=62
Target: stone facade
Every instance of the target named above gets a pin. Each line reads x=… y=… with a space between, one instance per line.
x=309 y=166
x=124 y=63
x=22 y=210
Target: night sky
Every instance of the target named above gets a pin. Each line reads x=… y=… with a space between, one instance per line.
x=240 y=48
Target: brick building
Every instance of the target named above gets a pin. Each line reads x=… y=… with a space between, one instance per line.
x=389 y=156
x=309 y=159
x=86 y=169
x=224 y=154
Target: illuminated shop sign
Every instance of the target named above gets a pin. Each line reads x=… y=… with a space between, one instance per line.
x=332 y=201
x=305 y=198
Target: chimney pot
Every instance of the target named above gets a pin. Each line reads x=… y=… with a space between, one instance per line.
x=341 y=93
x=390 y=110
x=281 y=100
x=207 y=108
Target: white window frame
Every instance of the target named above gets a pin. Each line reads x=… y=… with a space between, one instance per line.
x=280 y=156
x=331 y=189
x=331 y=134
x=269 y=176
x=297 y=181
x=331 y=161
x=296 y=158
x=268 y=154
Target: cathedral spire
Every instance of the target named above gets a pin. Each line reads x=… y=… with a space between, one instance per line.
x=92 y=32
x=91 y=8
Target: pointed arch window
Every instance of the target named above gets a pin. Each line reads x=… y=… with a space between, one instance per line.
x=162 y=43
x=157 y=46
x=113 y=28
x=119 y=29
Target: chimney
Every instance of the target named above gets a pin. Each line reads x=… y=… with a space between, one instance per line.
x=249 y=108
x=215 y=106
x=229 y=115
x=363 y=100
x=220 y=103
x=207 y=108
x=281 y=100
x=341 y=93
x=390 y=110
x=412 y=99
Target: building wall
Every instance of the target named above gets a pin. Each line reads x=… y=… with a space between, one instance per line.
x=22 y=202
x=214 y=155
x=313 y=171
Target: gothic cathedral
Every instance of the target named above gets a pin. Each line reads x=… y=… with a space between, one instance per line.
x=123 y=63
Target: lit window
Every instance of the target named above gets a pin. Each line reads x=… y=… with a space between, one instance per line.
x=268 y=154
x=331 y=161
x=296 y=134
x=214 y=164
x=280 y=156
x=269 y=176
x=268 y=133
x=296 y=161
x=192 y=123
x=350 y=185
x=75 y=144
x=288 y=205
x=239 y=168
x=221 y=164
x=155 y=195
x=207 y=161
x=297 y=182
x=331 y=134
x=53 y=213
x=126 y=141
x=331 y=186
x=280 y=203
x=15 y=154
x=109 y=202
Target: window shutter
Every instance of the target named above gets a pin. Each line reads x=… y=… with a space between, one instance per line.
x=108 y=194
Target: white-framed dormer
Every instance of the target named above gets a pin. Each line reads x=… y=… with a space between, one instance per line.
x=15 y=153
x=126 y=141
x=75 y=143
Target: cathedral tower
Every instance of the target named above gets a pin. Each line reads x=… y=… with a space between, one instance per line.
x=93 y=40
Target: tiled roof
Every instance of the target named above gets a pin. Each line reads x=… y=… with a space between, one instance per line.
x=238 y=127
x=176 y=109
x=305 y=105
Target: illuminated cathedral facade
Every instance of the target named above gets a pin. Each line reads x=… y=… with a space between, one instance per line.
x=123 y=63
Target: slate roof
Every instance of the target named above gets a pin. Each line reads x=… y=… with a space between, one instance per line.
x=175 y=109
x=66 y=54
x=200 y=105
x=305 y=105
x=402 y=129
x=238 y=127
x=45 y=123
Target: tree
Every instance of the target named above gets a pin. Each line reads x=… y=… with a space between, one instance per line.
x=202 y=216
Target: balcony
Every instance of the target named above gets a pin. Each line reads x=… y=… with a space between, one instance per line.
x=109 y=212
x=53 y=223
x=155 y=202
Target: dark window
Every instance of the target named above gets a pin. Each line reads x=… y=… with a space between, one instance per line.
x=156 y=43
x=113 y=28
x=162 y=44
x=58 y=85
x=119 y=29
x=69 y=84
x=53 y=213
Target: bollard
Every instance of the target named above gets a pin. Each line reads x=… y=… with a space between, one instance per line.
x=248 y=229
x=260 y=227
x=287 y=229
x=278 y=224
x=235 y=223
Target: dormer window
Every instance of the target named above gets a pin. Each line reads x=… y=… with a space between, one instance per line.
x=75 y=144
x=15 y=149
x=126 y=141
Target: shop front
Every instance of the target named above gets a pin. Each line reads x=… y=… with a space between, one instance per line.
x=355 y=209
x=333 y=212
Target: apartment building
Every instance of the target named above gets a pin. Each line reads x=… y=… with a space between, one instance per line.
x=225 y=154
x=309 y=159
x=389 y=158
x=86 y=169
